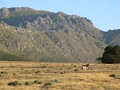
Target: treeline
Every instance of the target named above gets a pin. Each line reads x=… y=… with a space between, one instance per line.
x=111 y=55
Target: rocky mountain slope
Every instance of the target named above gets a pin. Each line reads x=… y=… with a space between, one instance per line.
x=27 y=34
x=112 y=37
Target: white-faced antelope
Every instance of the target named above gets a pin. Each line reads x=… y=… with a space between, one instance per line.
x=85 y=67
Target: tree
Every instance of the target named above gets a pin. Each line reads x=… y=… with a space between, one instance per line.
x=111 y=54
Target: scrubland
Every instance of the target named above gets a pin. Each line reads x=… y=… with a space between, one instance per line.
x=58 y=76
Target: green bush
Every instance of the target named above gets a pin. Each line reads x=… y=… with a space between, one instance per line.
x=14 y=83
x=28 y=83
x=51 y=82
x=116 y=76
x=37 y=72
x=3 y=73
x=48 y=84
x=37 y=82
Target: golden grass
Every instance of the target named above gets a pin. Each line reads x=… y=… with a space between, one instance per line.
x=58 y=76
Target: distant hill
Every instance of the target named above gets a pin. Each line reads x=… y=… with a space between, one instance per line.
x=112 y=37
x=52 y=37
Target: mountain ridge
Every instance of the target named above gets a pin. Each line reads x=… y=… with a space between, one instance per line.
x=52 y=37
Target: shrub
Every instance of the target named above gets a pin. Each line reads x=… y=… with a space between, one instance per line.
x=112 y=75
x=47 y=84
x=51 y=82
x=76 y=70
x=116 y=76
x=63 y=72
x=14 y=83
x=3 y=73
x=37 y=82
x=14 y=73
x=55 y=81
x=43 y=66
x=37 y=72
x=28 y=83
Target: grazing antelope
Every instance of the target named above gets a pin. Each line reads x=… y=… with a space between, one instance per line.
x=85 y=67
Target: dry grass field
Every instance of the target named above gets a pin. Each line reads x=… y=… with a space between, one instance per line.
x=58 y=76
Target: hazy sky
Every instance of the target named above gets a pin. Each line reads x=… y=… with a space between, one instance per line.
x=105 y=14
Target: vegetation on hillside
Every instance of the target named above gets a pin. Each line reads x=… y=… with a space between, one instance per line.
x=6 y=56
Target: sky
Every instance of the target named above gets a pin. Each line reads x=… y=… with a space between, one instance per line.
x=105 y=14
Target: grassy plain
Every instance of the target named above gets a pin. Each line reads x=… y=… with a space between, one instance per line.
x=58 y=76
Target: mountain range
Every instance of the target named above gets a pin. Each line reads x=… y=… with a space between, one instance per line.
x=28 y=34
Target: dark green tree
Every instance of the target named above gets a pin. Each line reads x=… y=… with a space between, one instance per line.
x=111 y=54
